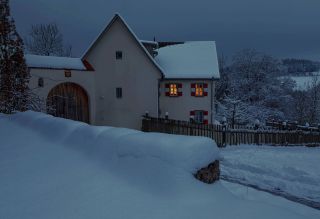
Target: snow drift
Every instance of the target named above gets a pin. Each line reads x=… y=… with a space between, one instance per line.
x=55 y=168
x=189 y=153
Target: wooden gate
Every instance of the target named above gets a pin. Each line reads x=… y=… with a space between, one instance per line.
x=70 y=101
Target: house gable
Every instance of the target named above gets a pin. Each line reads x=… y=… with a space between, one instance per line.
x=117 y=19
x=126 y=77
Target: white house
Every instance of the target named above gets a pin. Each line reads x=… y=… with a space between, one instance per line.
x=120 y=78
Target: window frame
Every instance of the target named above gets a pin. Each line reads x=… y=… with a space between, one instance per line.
x=173 y=90
x=197 y=116
x=200 y=92
x=119 y=93
x=67 y=73
x=119 y=55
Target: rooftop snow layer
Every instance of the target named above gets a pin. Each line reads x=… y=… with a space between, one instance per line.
x=37 y=61
x=196 y=59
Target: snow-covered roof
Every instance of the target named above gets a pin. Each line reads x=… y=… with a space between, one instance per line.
x=53 y=62
x=197 y=59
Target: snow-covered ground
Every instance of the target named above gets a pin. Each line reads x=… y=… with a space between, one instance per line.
x=292 y=170
x=303 y=83
x=55 y=168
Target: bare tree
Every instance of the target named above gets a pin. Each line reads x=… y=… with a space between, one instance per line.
x=46 y=39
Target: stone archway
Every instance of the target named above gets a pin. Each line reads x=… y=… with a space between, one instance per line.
x=70 y=101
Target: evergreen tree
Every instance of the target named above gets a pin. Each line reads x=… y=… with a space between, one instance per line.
x=14 y=74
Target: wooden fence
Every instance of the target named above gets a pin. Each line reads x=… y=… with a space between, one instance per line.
x=224 y=135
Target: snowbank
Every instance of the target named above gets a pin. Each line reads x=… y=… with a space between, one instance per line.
x=189 y=153
x=55 y=168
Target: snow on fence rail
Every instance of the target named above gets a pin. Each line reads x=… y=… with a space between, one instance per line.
x=224 y=135
x=285 y=125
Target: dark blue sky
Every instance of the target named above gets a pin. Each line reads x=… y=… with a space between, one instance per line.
x=283 y=28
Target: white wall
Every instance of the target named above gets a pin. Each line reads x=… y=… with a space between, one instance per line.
x=135 y=74
x=53 y=77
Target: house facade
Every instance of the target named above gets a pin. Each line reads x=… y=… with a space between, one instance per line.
x=120 y=78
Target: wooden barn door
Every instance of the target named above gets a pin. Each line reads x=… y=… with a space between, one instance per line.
x=70 y=101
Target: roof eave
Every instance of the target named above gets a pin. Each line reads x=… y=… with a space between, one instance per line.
x=71 y=69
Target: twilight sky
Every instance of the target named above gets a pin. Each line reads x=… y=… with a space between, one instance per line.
x=283 y=28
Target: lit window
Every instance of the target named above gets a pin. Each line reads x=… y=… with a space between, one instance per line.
x=118 y=54
x=173 y=90
x=199 y=90
x=198 y=116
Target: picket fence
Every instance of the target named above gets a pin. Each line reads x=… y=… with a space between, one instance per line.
x=226 y=135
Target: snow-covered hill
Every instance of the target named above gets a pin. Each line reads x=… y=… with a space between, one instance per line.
x=56 y=168
x=303 y=83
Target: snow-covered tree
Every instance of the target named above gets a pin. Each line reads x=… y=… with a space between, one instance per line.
x=301 y=108
x=249 y=89
x=47 y=40
x=14 y=74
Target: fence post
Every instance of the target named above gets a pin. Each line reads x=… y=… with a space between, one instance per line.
x=256 y=138
x=145 y=124
x=224 y=136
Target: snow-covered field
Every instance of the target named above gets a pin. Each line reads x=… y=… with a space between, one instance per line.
x=55 y=168
x=303 y=83
x=292 y=170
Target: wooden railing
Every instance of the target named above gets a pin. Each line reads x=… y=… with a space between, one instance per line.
x=225 y=135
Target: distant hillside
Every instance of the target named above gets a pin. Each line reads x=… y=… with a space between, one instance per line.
x=303 y=83
x=299 y=67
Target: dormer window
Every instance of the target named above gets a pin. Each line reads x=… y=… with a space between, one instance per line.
x=118 y=55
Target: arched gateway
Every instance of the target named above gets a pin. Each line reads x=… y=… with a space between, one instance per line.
x=70 y=101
